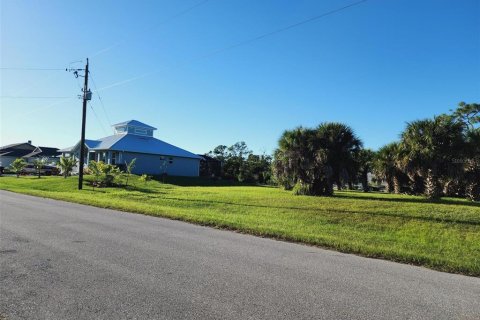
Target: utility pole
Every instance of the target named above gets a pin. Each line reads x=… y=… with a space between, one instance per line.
x=86 y=96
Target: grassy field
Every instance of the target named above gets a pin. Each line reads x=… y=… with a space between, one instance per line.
x=443 y=236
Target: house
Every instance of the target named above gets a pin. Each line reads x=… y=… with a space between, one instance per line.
x=134 y=140
x=27 y=151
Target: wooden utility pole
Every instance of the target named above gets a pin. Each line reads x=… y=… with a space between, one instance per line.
x=86 y=97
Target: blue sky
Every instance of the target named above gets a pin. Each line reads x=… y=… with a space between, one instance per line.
x=373 y=66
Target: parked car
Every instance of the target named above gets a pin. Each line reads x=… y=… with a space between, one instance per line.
x=46 y=170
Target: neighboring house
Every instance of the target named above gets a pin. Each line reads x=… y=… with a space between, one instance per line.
x=27 y=151
x=134 y=140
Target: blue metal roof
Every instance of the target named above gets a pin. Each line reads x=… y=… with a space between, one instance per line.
x=134 y=123
x=91 y=143
x=140 y=144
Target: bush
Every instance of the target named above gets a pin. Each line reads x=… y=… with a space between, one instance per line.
x=145 y=178
x=104 y=174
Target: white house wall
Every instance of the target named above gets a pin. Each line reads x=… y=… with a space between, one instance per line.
x=152 y=164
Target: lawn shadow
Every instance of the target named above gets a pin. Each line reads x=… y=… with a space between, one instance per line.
x=411 y=200
x=341 y=211
x=205 y=182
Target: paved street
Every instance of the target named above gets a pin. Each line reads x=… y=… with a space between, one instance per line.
x=67 y=261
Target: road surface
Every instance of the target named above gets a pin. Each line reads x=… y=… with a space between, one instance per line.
x=68 y=261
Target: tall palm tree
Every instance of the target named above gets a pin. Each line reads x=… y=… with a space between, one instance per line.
x=472 y=165
x=364 y=160
x=386 y=166
x=428 y=147
x=301 y=161
x=343 y=145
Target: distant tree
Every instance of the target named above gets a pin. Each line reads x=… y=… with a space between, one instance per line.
x=385 y=166
x=364 y=163
x=233 y=160
x=234 y=165
x=38 y=164
x=472 y=165
x=468 y=113
x=258 y=168
x=219 y=153
x=66 y=165
x=17 y=166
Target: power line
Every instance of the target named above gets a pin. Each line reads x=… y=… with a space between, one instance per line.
x=181 y=13
x=31 y=97
x=9 y=115
x=240 y=43
x=101 y=100
x=32 y=69
x=98 y=119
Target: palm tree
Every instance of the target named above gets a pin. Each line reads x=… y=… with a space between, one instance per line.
x=472 y=165
x=300 y=161
x=38 y=164
x=66 y=165
x=428 y=147
x=18 y=165
x=128 y=169
x=364 y=160
x=386 y=166
x=342 y=145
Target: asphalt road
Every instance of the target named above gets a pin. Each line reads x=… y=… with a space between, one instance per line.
x=66 y=261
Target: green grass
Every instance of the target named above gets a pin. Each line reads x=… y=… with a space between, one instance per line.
x=443 y=236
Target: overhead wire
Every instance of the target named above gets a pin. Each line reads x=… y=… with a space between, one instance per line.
x=98 y=119
x=204 y=56
x=181 y=13
x=32 y=97
x=100 y=99
x=31 y=69
x=238 y=44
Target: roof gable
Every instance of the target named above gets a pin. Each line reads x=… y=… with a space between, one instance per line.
x=134 y=123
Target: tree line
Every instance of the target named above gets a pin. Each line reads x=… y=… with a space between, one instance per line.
x=435 y=157
x=238 y=163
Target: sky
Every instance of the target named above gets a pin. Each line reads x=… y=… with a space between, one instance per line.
x=177 y=65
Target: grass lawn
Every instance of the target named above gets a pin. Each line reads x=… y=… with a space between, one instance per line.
x=443 y=236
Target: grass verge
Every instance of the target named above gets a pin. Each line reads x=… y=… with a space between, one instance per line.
x=444 y=236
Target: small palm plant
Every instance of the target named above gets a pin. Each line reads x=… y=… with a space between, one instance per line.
x=128 y=169
x=66 y=165
x=38 y=164
x=96 y=168
x=145 y=178
x=17 y=166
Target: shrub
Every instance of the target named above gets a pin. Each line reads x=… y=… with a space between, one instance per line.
x=104 y=174
x=145 y=178
x=17 y=166
x=66 y=166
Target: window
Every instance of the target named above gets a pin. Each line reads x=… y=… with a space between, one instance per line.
x=170 y=160
x=140 y=131
x=114 y=157
x=120 y=129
